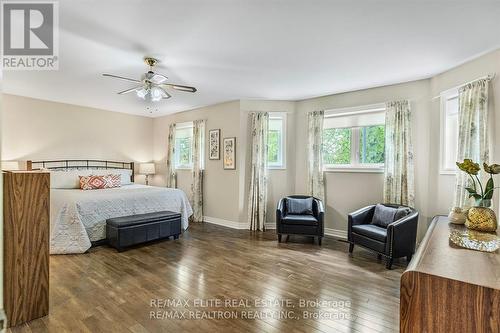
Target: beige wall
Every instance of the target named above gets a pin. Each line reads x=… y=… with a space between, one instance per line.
x=348 y=191
x=226 y=191
x=441 y=194
x=35 y=129
x=221 y=191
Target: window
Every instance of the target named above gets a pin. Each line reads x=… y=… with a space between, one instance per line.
x=354 y=138
x=372 y=144
x=276 y=141
x=184 y=146
x=337 y=146
x=449 y=131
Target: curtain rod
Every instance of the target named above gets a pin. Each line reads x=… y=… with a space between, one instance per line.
x=488 y=77
x=334 y=112
x=352 y=113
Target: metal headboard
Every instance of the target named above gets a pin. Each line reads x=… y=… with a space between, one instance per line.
x=80 y=164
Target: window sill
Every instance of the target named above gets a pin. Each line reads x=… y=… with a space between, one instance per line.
x=276 y=167
x=183 y=168
x=354 y=170
x=447 y=172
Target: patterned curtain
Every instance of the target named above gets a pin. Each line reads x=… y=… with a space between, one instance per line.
x=398 y=176
x=171 y=175
x=258 y=183
x=472 y=132
x=198 y=166
x=316 y=185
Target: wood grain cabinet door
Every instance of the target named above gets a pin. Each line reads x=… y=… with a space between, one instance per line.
x=26 y=245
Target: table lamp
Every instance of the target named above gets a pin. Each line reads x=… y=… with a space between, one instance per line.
x=147 y=169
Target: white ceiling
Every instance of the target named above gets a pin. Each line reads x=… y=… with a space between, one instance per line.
x=260 y=49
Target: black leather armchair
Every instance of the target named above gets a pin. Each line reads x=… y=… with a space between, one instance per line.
x=396 y=239
x=308 y=223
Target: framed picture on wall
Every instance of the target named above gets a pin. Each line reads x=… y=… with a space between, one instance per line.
x=229 y=159
x=214 y=144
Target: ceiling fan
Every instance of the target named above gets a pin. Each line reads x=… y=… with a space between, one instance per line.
x=152 y=86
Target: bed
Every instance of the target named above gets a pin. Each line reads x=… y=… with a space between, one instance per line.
x=78 y=217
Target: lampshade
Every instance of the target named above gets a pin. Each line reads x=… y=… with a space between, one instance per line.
x=153 y=94
x=147 y=168
x=142 y=93
x=10 y=165
x=156 y=94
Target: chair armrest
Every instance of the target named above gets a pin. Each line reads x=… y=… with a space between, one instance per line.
x=361 y=216
x=402 y=235
x=319 y=213
x=318 y=208
x=280 y=213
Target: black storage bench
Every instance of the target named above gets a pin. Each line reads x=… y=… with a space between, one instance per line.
x=126 y=231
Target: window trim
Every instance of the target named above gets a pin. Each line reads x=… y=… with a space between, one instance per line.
x=358 y=169
x=283 y=117
x=183 y=125
x=444 y=97
x=355 y=136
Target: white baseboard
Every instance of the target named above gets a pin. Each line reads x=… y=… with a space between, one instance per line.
x=342 y=234
x=225 y=223
x=270 y=225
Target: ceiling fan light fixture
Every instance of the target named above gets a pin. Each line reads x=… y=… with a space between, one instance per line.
x=156 y=94
x=152 y=85
x=141 y=93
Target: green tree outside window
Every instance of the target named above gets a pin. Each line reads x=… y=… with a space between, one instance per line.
x=337 y=146
x=273 y=142
x=372 y=144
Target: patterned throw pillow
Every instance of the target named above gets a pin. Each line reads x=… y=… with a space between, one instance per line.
x=94 y=182
x=113 y=181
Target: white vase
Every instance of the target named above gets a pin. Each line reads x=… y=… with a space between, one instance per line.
x=457 y=216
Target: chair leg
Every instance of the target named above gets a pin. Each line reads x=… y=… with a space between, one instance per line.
x=279 y=238
x=319 y=240
x=379 y=257
x=287 y=237
x=351 y=247
x=388 y=265
x=408 y=258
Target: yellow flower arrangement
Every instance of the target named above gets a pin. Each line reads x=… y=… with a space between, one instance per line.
x=492 y=169
x=484 y=195
x=469 y=166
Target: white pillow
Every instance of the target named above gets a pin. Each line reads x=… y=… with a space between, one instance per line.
x=126 y=175
x=71 y=178
x=64 y=179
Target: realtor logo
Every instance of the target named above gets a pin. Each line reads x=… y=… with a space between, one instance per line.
x=30 y=35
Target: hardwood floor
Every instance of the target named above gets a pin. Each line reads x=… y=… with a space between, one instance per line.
x=107 y=291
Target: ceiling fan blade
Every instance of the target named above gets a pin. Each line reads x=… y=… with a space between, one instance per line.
x=158 y=78
x=121 y=78
x=165 y=94
x=180 y=87
x=129 y=90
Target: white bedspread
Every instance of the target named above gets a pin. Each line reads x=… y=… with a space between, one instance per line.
x=79 y=217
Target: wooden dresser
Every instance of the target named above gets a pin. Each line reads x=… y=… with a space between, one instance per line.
x=450 y=289
x=26 y=245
